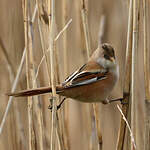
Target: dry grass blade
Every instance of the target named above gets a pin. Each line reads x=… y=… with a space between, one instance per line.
x=44 y=56
x=62 y=31
x=131 y=133
x=42 y=45
x=12 y=90
x=9 y=63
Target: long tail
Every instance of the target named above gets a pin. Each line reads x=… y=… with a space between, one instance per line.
x=32 y=92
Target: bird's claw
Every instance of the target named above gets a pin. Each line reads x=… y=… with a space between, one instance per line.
x=123 y=102
x=51 y=107
x=58 y=106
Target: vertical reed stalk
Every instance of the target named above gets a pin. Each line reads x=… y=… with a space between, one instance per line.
x=53 y=81
x=64 y=8
x=135 y=42
x=146 y=52
x=97 y=106
x=66 y=71
x=127 y=79
x=146 y=76
x=62 y=131
x=85 y=26
x=88 y=49
x=14 y=83
x=36 y=103
x=29 y=69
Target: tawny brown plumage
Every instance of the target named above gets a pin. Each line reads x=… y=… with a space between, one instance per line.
x=93 y=82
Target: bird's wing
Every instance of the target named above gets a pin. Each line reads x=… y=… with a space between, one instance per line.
x=87 y=74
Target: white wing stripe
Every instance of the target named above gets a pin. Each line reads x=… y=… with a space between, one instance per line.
x=77 y=75
x=89 y=81
x=68 y=79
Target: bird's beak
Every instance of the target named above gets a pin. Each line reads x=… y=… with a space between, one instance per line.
x=112 y=59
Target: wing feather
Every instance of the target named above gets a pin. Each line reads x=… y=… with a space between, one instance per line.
x=88 y=73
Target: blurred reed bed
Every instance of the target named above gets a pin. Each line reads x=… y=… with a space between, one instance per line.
x=57 y=37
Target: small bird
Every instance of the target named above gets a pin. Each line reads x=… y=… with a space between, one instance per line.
x=93 y=82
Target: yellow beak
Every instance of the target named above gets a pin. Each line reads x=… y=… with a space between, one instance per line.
x=112 y=59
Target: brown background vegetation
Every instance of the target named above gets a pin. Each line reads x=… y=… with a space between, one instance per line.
x=15 y=132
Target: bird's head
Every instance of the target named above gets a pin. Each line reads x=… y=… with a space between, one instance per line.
x=105 y=56
x=108 y=52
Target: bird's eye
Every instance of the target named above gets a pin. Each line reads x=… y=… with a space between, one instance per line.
x=106 y=56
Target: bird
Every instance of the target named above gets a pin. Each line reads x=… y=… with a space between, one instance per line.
x=91 y=83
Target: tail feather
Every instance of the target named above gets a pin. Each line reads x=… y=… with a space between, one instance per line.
x=32 y=92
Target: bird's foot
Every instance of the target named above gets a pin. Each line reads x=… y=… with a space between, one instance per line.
x=58 y=106
x=122 y=100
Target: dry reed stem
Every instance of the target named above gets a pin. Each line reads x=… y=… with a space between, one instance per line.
x=97 y=106
x=66 y=71
x=64 y=140
x=39 y=122
x=44 y=55
x=53 y=81
x=131 y=133
x=88 y=49
x=62 y=31
x=29 y=68
x=14 y=86
x=85 y=27
x=127 y=78
x=64 y=8
x=146 y=52
x=146 y=76
x=38 y=111
x=59 y=135
x=43 y=46
x=135 y=42
x=45 y=52
x=147 y=126
x=12 y=90
x=12 y=71
x=58 y=131
x=10 y=66
x=27 y=73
